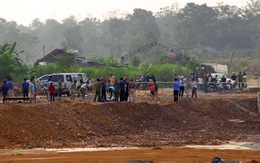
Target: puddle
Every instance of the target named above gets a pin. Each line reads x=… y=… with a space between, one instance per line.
x=89 y=149
x=60 y=150
x=229 y=146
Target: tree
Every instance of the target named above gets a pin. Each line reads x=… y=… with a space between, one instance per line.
x=167 y=21
x=73 y=38
x=66 y=61
x=117 y=29
x=195 y=24
x=9 y=62
x=136 y=61
x=108 y=64
x=143 y=23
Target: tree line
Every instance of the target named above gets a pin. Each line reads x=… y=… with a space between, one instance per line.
x=119 y=33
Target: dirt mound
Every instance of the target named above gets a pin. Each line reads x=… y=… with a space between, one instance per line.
x=74 y=124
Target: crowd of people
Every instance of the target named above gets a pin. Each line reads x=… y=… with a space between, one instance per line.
x=28 y=89
x=206 y=82
x=122 y=89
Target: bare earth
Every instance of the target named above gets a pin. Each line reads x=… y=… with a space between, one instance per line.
x=160 y=131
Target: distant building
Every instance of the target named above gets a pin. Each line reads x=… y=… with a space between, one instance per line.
x=51 y=57
x=54 y=56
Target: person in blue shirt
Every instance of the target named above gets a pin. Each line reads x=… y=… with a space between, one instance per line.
x=4 y=90
x=9 y=84
x=31 y=90
x=176 y=88
x=25 y=88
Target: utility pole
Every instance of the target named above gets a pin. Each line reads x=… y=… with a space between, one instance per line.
x=44 y=61
x=230 y=63
x=44 y=54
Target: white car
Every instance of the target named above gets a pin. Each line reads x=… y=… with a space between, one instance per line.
x=219 y=76
x=66 y=79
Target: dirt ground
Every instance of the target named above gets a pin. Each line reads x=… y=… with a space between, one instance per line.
x=158 y=130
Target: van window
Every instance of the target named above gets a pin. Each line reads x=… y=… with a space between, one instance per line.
x=68 y=77
x=55 y=78
x=44 y=78
x=84 y=78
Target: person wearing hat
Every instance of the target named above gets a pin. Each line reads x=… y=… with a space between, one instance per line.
x=52 y=92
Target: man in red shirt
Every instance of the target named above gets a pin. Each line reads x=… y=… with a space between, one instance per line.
x=52 y=92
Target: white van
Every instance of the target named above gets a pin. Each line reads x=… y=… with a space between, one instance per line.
x=67 y=80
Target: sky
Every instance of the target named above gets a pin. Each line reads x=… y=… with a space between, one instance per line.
x=24 y=11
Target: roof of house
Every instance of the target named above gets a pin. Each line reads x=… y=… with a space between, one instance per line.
x=52 y=55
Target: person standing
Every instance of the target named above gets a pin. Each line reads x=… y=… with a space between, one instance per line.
x=4 y=90
x=206 y=83
x=104 y=89
x=73 y=88
x=126 y=89
x=116 y=93
x=151 y=87
x=122 y=89
x=194 y=89
x=32 y=90
x=10 y=88
x=181 y=86
x=112 y=79
x=186 y=87
x=59 y=86
x=34 y=84
x=25 y=88
x=47 y=88
x=156 y=87
x=176 y=88
x=234 y=78
x=131 y=87
x=200 y=86
x=239 y=78
x=97 y=88
x=244 y=80
x=52 y=92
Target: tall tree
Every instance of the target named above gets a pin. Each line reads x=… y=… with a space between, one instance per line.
x=195 y=24
x=143 y=23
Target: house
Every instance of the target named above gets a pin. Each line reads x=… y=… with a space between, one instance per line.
x=54 y=56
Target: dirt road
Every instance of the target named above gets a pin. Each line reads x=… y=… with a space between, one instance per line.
x=212 y=119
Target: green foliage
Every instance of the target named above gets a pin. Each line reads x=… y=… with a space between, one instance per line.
x=49 y=69
x=136 y=61
x=66 y=61
x=89 y=71
x=109 y=65
x=165 y=72
x=145 y=68
x=10 y=65
x=6 y=65
x=191 y=26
